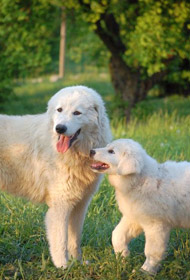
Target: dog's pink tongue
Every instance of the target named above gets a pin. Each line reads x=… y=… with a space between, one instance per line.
x=63 y=144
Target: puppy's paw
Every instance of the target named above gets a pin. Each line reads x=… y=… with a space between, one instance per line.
x=122 y=253
x=150 y=270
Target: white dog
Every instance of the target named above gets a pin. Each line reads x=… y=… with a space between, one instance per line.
x=152 y=197
x=45 y=158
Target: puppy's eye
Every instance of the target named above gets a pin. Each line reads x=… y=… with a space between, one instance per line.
x=111 y=151
x=59 y=110
x=76 y=113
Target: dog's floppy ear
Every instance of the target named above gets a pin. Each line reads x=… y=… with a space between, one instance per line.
x=104 y=135
x=99 y=113
x=96 y=108
x=129 y=165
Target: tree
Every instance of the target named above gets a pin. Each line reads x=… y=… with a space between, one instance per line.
x=148 y=41
x=25 y=30
x=62 y=44
x=83 y=46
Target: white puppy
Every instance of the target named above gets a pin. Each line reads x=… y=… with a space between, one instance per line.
x=45 y=158
x=152 y=197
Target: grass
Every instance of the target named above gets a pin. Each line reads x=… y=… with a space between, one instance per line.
x=162 y=126
x=32 y=97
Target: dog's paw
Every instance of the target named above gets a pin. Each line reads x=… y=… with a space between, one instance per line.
x=125 y=253
x=63 y=264
x=151 y=273
x=150 y=270
x=122 y=253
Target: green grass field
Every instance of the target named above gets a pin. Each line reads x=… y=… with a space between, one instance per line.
x=162 y=126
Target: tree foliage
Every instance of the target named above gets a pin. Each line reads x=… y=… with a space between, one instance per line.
x=151 y=31
x=145 y=41
x=25 y=30
x=146 y=37
x=83 y=44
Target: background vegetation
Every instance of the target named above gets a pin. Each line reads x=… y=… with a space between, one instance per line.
x=144 y=44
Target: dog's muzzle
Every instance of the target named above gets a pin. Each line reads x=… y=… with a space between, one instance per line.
x=61 y=128
x=65 y=142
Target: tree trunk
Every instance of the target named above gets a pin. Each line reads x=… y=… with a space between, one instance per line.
x=62 y=44
x=128 y=83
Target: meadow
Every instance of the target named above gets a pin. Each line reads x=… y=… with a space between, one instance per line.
x=162 y=126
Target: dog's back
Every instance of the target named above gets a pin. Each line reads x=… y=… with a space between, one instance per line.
x=176 y=189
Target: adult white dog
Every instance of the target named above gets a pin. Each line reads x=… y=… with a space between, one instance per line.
x=152 y=197
x=45 y=158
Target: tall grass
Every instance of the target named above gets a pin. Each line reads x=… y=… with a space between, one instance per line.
x=162 y=126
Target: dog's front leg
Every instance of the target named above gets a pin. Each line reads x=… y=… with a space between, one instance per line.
x=122 y=235
x=76 y=221
x=157 y=236
x=57 y=233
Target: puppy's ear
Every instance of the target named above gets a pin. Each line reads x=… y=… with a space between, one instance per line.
x=129 y=165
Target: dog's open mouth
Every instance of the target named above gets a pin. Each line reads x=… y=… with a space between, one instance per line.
x=65 y=142
x=99 y=166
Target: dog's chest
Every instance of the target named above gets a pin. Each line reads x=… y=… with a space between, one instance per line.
x=72 y=182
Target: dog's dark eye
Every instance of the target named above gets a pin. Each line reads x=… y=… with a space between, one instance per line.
x=111 y=152
x=59 y=110
x=76 y=113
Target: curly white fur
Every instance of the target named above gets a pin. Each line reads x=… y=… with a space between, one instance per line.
x=152 y=197
x=30 y=165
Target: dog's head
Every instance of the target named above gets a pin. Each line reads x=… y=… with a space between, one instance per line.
x=121 y=157
x=77 y=115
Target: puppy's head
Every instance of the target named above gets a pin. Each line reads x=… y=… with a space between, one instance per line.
x=121 y=157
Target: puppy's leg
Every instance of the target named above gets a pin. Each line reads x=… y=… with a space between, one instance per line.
x=57 y=234
x=76 y=221
x=122 y=235
x=157 y=237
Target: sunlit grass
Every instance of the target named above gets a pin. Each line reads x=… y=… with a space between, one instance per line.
x=164 y=136
x=162 y=126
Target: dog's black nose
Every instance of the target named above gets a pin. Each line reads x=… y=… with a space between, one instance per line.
x=92 y=153
x=60 y=128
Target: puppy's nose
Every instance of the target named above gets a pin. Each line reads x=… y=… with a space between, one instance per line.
x=60 y=128
x=92 y=153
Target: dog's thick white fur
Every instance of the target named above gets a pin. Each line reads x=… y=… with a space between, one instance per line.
x=45 y=158
x=152 y=197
